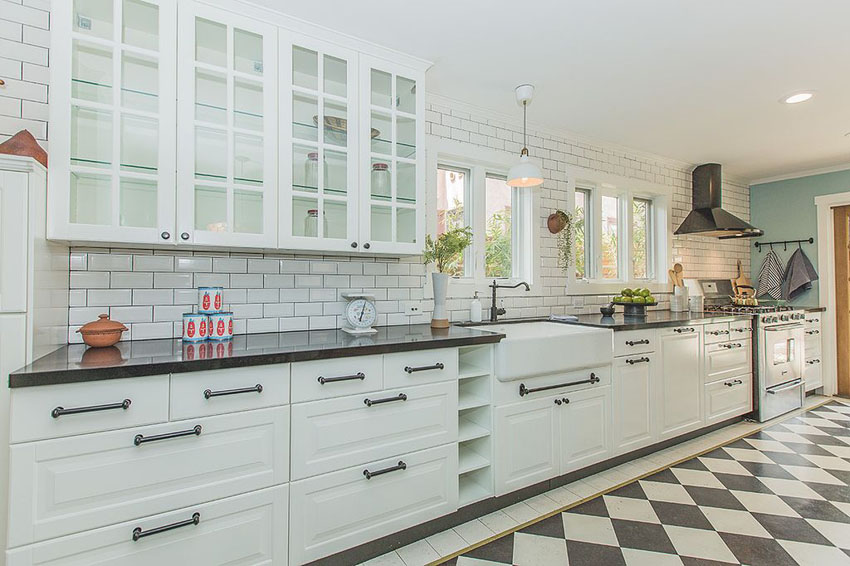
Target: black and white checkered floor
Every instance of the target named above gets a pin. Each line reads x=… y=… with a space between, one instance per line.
x=779 y=496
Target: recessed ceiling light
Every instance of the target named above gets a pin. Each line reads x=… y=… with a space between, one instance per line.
x=797 y=97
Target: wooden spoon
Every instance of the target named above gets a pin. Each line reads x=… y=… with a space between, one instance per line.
x=673 y=279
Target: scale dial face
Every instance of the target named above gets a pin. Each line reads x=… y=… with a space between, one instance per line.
x=361 y=313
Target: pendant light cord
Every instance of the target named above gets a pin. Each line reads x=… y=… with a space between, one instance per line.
x=524 y=126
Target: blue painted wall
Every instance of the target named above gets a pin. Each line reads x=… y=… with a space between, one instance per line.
x=786 y=210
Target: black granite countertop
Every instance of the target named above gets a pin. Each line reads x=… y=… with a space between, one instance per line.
x=76 y=363
x=654 y=319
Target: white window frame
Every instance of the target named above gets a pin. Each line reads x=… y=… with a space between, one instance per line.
x=625 y=189
x=481 y=162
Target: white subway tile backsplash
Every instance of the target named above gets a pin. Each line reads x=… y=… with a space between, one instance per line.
x=247 y=311
x=246 y=280
x=173 y=313
x=212 y=280
x=153 y=296
x=308 y=281
x=79 y=261
x=193 y=264
x=185 y=296
x=232 y=296
x=123 y=280
x=131 y=314
x=110 y=262
x=82 y=315
x=230 y=265
x=109 y=297
x=277 y=310
x=152 y=330
x=256 y=325
x=263 y=266
x=153 y=263
x=294 y=323
x=173 y=280
x=263 y=295
x=89 y=280
x=77 y=298
x=308 y=309
x=294 y=295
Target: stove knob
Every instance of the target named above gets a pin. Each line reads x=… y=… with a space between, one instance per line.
x=784 y=317
x=765 y=319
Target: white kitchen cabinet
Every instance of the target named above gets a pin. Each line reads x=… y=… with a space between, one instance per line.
x=584 y=428
x=246 y=529
x=728 y=398
x=346 y=431
x=679 y=390
x=632 y=404
x=319 y=192
x=65 y=485
x=526 y=443
x=227 y=128
x=13 y=247
x=392 y=157
x=342 y=509
x=727 y=359
x=113 y=121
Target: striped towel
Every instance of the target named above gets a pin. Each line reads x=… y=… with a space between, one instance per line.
x=771 y=276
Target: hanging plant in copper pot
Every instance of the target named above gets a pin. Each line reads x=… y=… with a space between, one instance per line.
x=560 y=223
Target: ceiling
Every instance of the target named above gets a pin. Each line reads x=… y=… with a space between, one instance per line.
x=691 y=80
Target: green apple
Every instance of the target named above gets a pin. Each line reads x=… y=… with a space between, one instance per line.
x=639 y=299
x=627 y=292
x=645 y=292
x=650 y=299
x=627 y=299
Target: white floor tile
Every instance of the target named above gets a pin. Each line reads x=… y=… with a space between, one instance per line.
x=764 y=503
x=790 y=488
x=474 y=531
x=699 y=543
x=805 y=429
x=447 y=542
x=466 y=561
x=840 y=451
x=698 y=478
x=734 y=521
x=815 y=475
x=418 y=553
x=521 y=512
x=806 y=554
x=582 y=488
x=630 y=509
x=837 y=533
x=636 y=557
x=589 y=528
x=787 y=437
x=666 y=492
x=543 y=504
x=563 y=496
x=499 y=521
x=828 y=462
x=768 y=445
x=722 y=466
x=747 y=455
x=533 y=550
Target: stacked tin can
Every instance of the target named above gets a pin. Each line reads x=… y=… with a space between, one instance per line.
x=210 y=322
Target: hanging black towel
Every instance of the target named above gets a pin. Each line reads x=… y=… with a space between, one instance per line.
x=799 y=274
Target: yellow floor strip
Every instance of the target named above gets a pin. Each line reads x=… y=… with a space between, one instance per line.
x=627 y=482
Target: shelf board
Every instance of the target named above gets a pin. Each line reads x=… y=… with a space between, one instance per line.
x=472 y=371
x=469 y=401
x=468 y=430
x=470 y=492
x=469 y=461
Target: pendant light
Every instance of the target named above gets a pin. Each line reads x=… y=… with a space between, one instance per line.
x=525 y=173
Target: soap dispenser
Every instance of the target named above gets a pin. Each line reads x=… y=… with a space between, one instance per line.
x=475 y=309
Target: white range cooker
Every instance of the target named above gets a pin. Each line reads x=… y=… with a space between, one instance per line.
x=778 y=347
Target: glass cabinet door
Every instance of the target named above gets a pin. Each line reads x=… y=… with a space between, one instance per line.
x=227 y=129
x=319 y=152
x=392 y=172
x=113 y=174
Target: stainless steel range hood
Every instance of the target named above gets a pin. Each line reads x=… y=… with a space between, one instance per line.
x=708 y=217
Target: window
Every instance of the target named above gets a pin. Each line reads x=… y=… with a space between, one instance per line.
x=452 y=194
x=498 y=244
x=621 y=235
x=477 y=195
x=642 y=238
x=582 y=233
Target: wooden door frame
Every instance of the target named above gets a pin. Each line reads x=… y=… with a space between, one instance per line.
x=826 y=266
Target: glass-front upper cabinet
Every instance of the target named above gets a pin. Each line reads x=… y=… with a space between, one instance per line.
x=227 y=129
x=318 y=155
x=112 y=120
x=392 y=157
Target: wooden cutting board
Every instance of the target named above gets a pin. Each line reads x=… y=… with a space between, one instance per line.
x=742 y=283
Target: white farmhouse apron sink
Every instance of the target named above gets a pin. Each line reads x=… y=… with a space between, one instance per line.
x=541 y=348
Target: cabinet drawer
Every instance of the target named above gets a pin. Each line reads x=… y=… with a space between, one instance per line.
x=813 y=372
x=728 y=398
x=324 y=379
x=253 y=524
x=71 y=484
x=414 y=368
x=727 y=359
x=204 y=393
x=335 y=511
x=33 y=408
x=337 y=433
x=716 y=332
x=813 y=319
x=812 y=342
x=740 y=329
x=634 y=342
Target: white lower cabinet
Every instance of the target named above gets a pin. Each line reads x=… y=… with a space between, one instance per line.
x=679 y=394
x=585 y=428
x=728 y=398
x=336 y=433
x=339 y=510
x=66 y=485
x=632 y=404
x=813 y=372
x=525 y=436
x=249 y=530
x=727 y=359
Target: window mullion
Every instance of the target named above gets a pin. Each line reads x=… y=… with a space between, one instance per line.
x=479 y=228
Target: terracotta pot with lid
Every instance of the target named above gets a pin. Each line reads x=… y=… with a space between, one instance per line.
x=102 y=332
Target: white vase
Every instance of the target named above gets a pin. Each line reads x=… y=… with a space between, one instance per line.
x=440 y=318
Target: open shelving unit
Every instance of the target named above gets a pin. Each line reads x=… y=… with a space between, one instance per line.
x=475 y=423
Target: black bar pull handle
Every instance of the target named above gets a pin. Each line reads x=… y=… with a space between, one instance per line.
x=733 y=383
x=438 y=365
x=718 y=332
x=810 y=332
x=59 y=411
x=359 y=375
x=400 y=397
x=139 y=533
x=813 y=362
x=642 y=360
x=732 y=345
x=637 y=342
x=523 y=390
x=196 y=431
x=400 y=466
x=208 y=393
x=686 y=329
